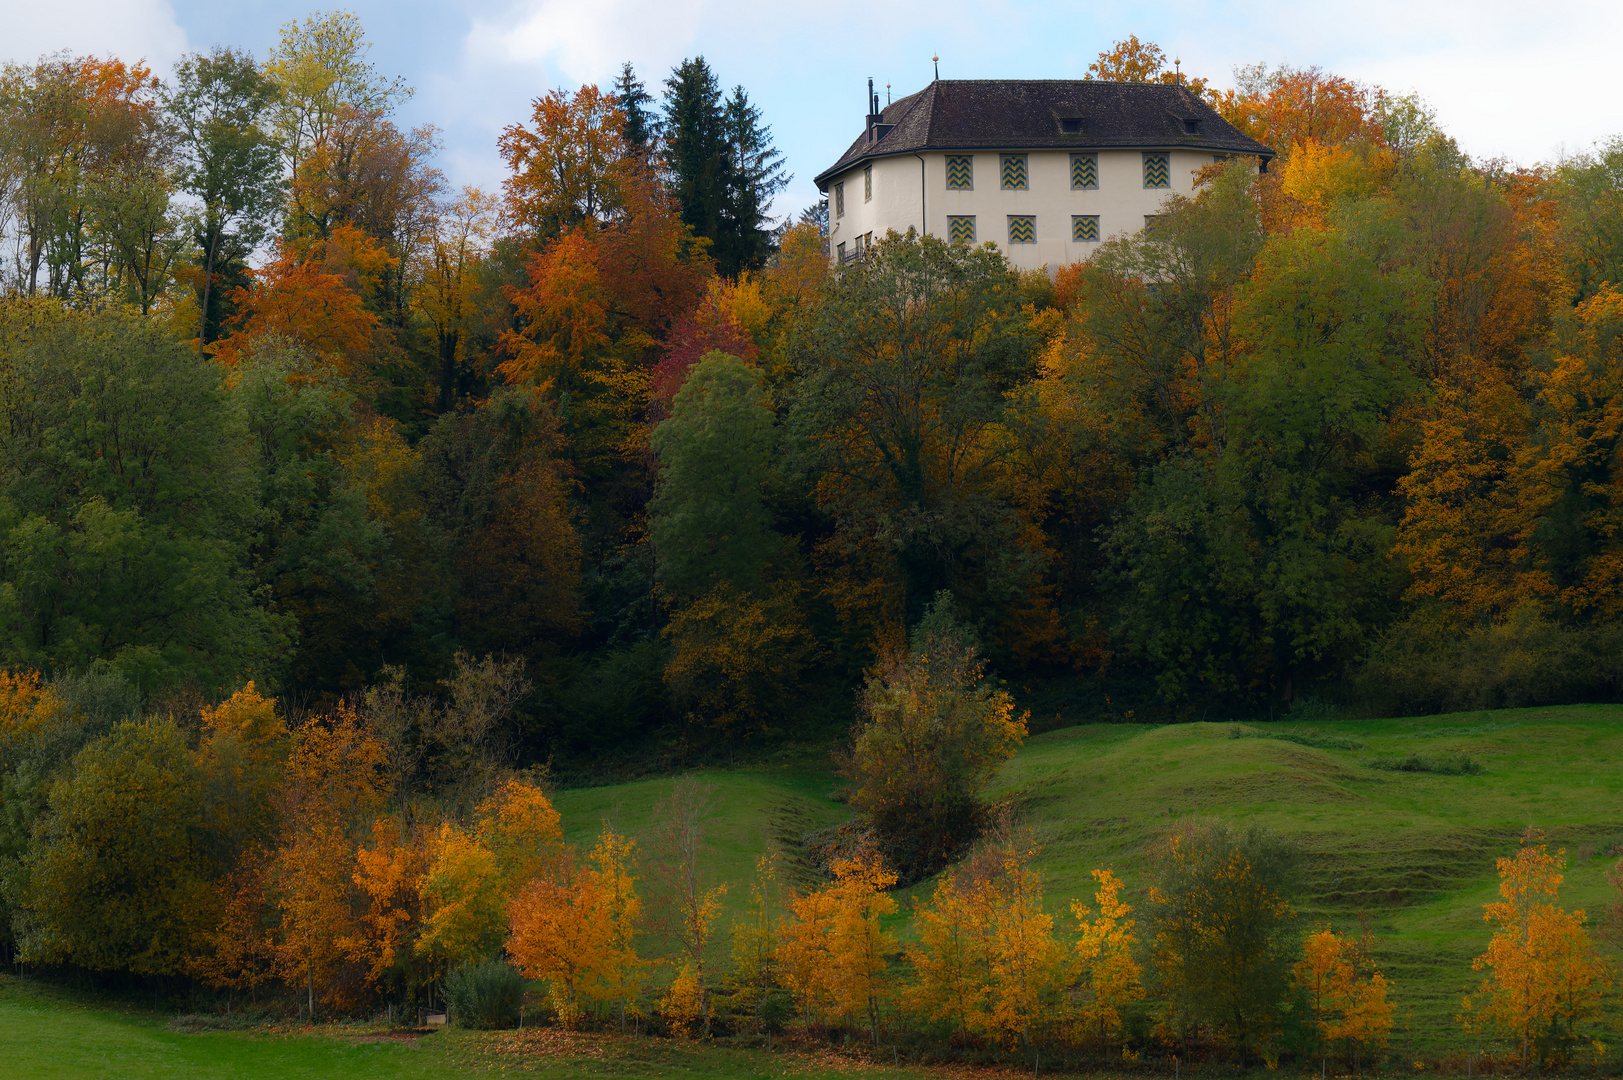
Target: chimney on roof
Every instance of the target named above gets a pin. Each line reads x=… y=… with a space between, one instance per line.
x=873 y=111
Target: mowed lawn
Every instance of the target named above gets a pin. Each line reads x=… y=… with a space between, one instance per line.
x=45 y=1035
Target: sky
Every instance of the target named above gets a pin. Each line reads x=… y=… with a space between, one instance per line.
x=1527 y=82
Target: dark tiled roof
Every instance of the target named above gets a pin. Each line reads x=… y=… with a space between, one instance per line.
x=1025 y=114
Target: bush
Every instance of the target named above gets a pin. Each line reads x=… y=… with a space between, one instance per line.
x=1456 y=764
x=935 y=732
x=1528 y=659
x=485 y=996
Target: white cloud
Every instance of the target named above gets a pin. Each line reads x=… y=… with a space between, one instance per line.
x=587 y=41
x=1506 y=79
x=127 y=29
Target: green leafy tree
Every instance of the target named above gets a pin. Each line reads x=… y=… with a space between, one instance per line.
x=1591 y=190
x=1221 y=930
x=220 y=104
x=1256 y=556
x=124 y=504
x=340 y=542
x=905 y=375
x=114 y=874
x=709 y=522
x=320 y=70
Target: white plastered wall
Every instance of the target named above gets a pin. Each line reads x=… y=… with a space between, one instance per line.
x=1121 y=200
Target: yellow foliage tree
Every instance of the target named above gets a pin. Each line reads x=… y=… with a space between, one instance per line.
x=1344 y=990
x=832 y=955
x=473 y=874
x=1544 y=972
x=26 y=708
x=986 y=957
x=755 y=938
x=242 y=750
x=462 y=898
x=1110 y=975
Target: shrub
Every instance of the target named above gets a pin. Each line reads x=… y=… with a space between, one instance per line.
x=935 y=732
x=485 y=996
x=1528 y=659
x=1456 y=764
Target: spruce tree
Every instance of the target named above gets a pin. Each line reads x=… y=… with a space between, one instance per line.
x=696 y=157
x=638 y=131
x=722 y=165
x=755 y=172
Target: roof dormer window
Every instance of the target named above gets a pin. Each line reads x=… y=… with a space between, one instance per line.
x=1070 y=125
x=1191 y=126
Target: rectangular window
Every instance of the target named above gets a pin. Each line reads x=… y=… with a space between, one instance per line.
x=839 y=200
x=1085 y=228
x=1157 y=173
x=867 y=183
x=961 y=173
x=1084 y=172
x=961 y=228
x=1071 y=125
x=1022 y=229
x=1014 y=172
x=867 y=241
x=1150 y=221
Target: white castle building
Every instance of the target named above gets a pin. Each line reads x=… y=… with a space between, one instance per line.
x=1044 y=168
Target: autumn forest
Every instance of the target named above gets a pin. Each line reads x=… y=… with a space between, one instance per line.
x=348 y=518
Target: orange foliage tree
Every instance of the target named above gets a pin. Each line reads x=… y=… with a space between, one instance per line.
x=388 y=875
x=575 y=927
x=332 y=788
x=1289 y=106
x=315 y=296
x=1513 y=501
x=1544 y=975
x=571 y=166
x=832 y=952
x=242 y=757
x=1133 y=60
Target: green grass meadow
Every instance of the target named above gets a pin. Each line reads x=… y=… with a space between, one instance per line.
x=1413 y=852
x=47 y=1035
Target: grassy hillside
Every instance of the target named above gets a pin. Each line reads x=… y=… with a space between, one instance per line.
x=1415 y=851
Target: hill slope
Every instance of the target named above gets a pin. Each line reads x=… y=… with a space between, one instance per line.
x=1414 y=851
